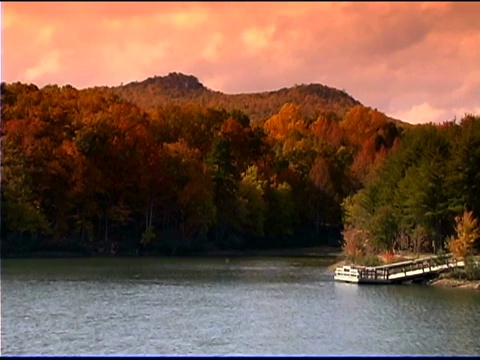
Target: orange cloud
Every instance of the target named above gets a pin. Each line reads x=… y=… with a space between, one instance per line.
x=48 y=64
x=257 y=39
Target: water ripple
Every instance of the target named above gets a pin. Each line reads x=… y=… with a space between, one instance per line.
x=204 y=306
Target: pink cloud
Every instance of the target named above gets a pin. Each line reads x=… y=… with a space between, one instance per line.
x=423 y=113
x=415 y=59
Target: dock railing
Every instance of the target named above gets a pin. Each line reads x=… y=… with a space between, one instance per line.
x=408 y=269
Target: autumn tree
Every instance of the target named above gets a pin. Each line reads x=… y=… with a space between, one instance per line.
x=288 y=119
x=467 y=234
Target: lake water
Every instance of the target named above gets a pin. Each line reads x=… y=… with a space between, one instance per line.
x=209 y=306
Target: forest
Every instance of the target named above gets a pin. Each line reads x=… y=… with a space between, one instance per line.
x=99 y=172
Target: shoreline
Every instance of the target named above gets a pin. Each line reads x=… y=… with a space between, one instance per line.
x=448 y=282
x=315 y=251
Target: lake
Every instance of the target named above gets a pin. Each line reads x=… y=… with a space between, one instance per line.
x=214 y=306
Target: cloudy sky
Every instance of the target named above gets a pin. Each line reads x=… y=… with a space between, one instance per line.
x=418 y=62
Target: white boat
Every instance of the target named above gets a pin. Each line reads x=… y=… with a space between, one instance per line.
x=347 y=273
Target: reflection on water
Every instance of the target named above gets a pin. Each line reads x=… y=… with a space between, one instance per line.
x=210 y=306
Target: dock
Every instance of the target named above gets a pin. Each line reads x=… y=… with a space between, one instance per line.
x=411 y=270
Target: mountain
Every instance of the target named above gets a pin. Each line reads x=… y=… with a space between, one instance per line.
x=184 y=89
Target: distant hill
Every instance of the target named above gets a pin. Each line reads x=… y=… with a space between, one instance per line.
x=183 y=89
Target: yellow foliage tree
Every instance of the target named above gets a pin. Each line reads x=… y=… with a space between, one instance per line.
x=468 y=232
x=288 y=119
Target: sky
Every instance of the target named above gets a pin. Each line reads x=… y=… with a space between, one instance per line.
x=418 y=62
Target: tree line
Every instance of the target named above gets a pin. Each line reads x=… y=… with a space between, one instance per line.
x=88 y=171
x=424 y=197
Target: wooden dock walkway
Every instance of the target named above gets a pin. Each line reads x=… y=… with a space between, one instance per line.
x=398 y=272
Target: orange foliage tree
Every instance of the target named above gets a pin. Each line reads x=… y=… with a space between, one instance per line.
x=468 y=232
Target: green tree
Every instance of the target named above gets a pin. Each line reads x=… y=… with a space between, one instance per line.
x=280 y=220
x=251 y=204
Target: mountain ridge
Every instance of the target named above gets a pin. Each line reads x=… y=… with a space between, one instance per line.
x=182 y=89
